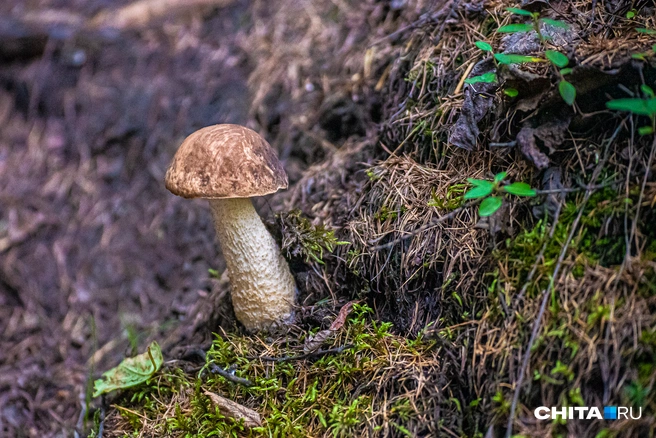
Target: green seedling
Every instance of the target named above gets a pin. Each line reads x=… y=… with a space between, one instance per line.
x=559 y=60
x=493 y=192
x=536 y=24
x=642 y=107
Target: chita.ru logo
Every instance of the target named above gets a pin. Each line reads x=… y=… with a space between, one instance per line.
x=588 y=413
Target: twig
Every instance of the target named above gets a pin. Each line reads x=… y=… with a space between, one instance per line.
x=336 y=350
x=215 y=369
x=101 y=425
x=547 y=292
x=578 y=189
x=420 y=229
x=642 y=193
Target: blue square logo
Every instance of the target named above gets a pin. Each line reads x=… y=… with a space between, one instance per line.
x=610 y=412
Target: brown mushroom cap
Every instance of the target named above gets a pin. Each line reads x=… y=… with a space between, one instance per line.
x=225 y=161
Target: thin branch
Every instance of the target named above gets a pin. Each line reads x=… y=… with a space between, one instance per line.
x=547 y=292
x=336 y=350
x=215 y=369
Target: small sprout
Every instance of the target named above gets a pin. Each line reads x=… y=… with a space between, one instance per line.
x=645 y=130
x=557 y=58
x=566 y=71
x=483 y=189
x=213 y=273
x=647 y=91
x=487 y=78
x=515 y=59
x=632 y=13
x=511 y=92
x=567 y=92
x=489 y=206
x=486 y=47
x=646 y=31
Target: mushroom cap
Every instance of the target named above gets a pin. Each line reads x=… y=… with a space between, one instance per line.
x=225 y=161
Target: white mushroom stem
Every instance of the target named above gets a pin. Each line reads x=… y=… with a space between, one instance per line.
x=263 y=289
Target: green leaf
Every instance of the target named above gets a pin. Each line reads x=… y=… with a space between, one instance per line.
x=487 y=78
x=130 y=372
x=515 y=59
x=647 y=91
x=567 y=92
x=647 y=31
x=483 y=46
x=519 y=189
x=651 y=106
x=653 y=48
x=631 y=14
x=478 y=182
x=500 y=177
x=481 y=189
x=645 y=130
x=511 y=92
x=515 y=28
x=557 y=58
x=639 y=56
x=489 y=206
x=641 y=107
x=566 y=71
x=519 y=12
x=555 y=23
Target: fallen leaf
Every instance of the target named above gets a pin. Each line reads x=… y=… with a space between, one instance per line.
x=235 y=410
x=526 y=142
x=131 y=372
x=478 y=102
x=312 y=343
x=338 y=323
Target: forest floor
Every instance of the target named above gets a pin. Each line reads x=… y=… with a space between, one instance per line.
x=425 y=308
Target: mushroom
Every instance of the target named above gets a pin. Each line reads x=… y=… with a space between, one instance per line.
x=227 y=165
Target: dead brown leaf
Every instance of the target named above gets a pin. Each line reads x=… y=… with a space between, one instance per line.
x=338 y=323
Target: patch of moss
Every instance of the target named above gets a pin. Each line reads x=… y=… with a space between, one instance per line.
x=333 y=395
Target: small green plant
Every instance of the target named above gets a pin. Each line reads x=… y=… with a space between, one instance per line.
x=492 y=192
x=640 y=106
x=646 y=31
x=558 y=59
x=536 y=24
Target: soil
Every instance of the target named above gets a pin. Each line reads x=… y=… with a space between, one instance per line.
x=95 y=254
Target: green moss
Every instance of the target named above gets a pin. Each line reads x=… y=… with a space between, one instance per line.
x=306 y=240
x=330 y=395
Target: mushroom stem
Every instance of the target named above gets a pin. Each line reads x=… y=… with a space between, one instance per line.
x=263 y=289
